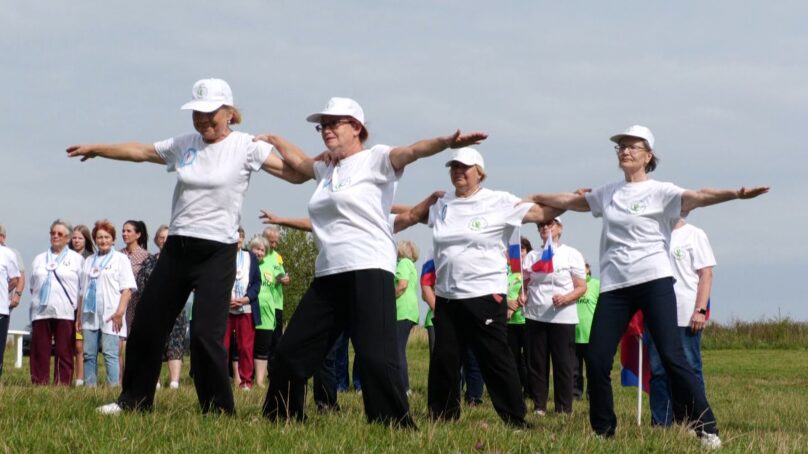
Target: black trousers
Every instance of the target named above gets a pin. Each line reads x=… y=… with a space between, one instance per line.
x=612 y=314
x=546 y=342
x=478 y=323
x=185 y=264
x=580 y=356
x=4 y=320
x=517 y=340
x=363 y=304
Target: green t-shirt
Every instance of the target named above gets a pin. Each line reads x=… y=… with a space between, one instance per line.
x=407 y=303
x=275 y=263
x=514 y=287
x=586 y=310
x=265 y=297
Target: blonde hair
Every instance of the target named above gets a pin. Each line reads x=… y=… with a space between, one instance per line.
x=236 y=115
x=407 y=249
x=481 y=171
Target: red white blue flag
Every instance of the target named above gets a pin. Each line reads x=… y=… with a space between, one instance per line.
x=630 y=355
x=545 y=263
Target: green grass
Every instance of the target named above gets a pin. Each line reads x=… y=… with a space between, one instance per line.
x=781 y=333
x=759 y=398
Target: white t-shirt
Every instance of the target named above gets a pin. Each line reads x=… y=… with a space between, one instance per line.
x=349 y=213
x=470 y=239
x=58 y=306
x=212 y=180
x=243 y=262
x=8 y=270
x=690 y=252
x=567 y=262
x=637 y=223
x=115 y=277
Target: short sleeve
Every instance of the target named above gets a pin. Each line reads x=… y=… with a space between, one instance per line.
x=126 y=277
x=672 y=200
x=320 y=170
x=391 y=220
x=12 y=267
x=20 y=263
x=171 y=150
x=259 y=152
x=595 y=200
x=702 y=251
x=434 y=212
x=515 y=209
x=380 y=155
x=401 y=270
x=577 y=264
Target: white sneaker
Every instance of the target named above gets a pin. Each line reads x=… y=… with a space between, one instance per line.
x=710 y=441
x=109 y=409
x=538 y=412
x=158 y=386
x=79 y=383
x=174 y=385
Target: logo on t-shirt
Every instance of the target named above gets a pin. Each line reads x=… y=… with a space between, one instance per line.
x=678 y=253
x=478 y=224
x=637 y=207
x=187 y=158
x=337 y=186
x=443 y=212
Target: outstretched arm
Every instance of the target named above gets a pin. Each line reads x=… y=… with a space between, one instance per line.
x=294 y=223
x=428 y=295
x=134 y=152
x=706 y=197
x=539 y=214
x=409 y=216
x=562 y=200
x=401 y=156
x=293 y=157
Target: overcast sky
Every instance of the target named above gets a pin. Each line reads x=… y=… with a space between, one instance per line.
x=722 y=85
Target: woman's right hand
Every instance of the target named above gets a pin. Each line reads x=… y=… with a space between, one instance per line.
x=458 y=140
x=268 y=218
x=85 y=151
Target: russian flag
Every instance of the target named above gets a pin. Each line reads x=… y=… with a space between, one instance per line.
x=515 y=252
x=428 y=272
x=545 y=263
x=630 y=355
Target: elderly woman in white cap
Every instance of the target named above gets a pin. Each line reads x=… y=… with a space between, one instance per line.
x=213 y=166
x=638 y=216
x=471 y=228
x=556 y=278
x=353 y=289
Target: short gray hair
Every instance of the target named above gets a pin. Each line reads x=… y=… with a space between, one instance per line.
x=64 y=224
x=258 y=239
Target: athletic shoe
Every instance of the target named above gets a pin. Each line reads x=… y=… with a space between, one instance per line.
x=538 y=412
x=174 y=385
x=79 y=383
x=109 y=409
x=710 y=441
x=158 y=386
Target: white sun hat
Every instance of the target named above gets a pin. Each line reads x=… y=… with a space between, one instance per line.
x=340 y=107
x=468 y=156
x=209 y=95
x=640 y=132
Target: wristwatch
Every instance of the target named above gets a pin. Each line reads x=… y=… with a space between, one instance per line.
x=17 y=292
x=702 y=311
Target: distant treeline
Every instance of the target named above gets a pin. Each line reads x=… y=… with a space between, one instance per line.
x=765 y=334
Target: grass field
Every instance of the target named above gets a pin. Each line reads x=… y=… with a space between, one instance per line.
x=760 y=398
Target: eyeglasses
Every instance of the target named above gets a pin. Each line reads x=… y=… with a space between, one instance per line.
x=331 y=124
x=632 y=149
x=58 y=234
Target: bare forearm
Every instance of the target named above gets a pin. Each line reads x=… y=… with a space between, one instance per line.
x=428 y=295
x=401 y=156
x=20 y=283
x=706 y=197
x=292 y=155
x=132 y=152
x=295 y=223
x=704 y=287
x=562 y=201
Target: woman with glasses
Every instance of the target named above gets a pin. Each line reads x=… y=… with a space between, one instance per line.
x=353 y=289
x=213 y=165
x=553 y=288
x=54 y=296
x=638 y=216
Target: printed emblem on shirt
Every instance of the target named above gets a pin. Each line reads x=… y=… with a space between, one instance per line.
x=678 y=253
x=637 y=207
x=443 y=212
x=337 y=186
x=478 y=224
x=187 y=158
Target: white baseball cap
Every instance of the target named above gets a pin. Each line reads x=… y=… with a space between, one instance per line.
x=640 y=132
x=340 y=107
x=209 y=95
x=468 y=156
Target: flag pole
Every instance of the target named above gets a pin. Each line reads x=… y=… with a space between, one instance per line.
x=639 y=387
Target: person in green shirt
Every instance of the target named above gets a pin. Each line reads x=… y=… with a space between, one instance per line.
x=265 y=329
x=280 y=279
x=407 y=316
x=516 y=318
x=586 y=310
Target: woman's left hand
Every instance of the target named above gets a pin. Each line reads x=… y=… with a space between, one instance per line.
x=697 y=322
x=458 y=140
x=559 y=300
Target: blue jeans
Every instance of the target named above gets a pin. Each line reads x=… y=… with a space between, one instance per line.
x=472 y=376
x=341 y=363
x=661 y=406
x=615 y=309
x=109 y=346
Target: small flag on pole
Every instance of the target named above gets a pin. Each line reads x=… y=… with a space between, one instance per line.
x=630 y=356
x=545 y=263
x=515 y=252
